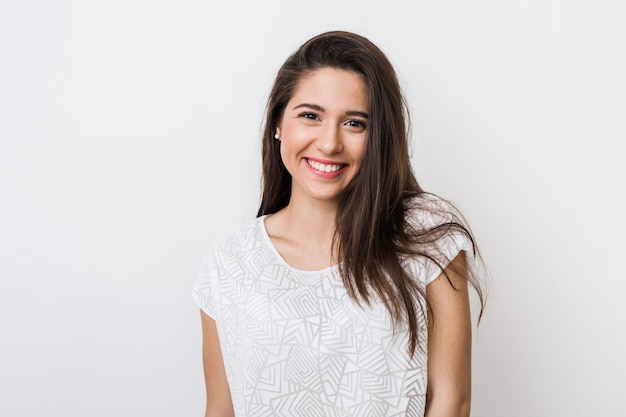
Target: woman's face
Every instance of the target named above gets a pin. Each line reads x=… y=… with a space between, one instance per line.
x=323 y=133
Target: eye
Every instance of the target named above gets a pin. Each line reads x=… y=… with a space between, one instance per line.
x=308 y=115
x=359 y=124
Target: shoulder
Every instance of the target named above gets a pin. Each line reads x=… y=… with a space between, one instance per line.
x=244 y=239
x=237 y=247
x=426 y=211
x=438 y=232
x=224 y=262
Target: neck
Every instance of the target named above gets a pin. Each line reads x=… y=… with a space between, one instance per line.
x=303 y=232
x=312 y=221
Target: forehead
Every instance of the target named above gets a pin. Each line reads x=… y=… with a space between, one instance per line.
x=332 y=87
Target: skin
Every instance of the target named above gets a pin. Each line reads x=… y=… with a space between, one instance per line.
x=218 y=401
x=449 y=343
x=326 y=121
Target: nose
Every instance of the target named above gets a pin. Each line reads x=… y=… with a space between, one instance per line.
x=329 y=140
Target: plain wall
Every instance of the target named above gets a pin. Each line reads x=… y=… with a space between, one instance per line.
x=129 y=144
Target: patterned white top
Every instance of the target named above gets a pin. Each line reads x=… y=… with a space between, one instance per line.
x=295 y=344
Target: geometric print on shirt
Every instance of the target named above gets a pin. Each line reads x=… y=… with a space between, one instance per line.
x=295 y=344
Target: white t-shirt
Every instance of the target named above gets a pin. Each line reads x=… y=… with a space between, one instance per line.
x=295 y=344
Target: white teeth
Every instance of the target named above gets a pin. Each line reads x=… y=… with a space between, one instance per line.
x=324 y=167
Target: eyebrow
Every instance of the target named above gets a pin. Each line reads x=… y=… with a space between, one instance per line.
x=319 y=108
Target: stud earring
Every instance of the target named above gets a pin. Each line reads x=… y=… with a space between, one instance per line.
x=277 y=136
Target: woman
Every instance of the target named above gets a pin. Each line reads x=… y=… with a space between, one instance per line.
x=351 y=283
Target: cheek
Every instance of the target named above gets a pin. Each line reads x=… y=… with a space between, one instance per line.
x=292 y=132
x=284 y=151
x=289 y=149
x=358 y=150
x=293 y=140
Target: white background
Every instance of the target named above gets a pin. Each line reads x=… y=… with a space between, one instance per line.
x=129 y=144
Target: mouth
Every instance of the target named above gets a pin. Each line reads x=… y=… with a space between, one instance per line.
x=318 y=166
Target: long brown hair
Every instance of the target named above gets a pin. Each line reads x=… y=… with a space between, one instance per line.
x=373 y=232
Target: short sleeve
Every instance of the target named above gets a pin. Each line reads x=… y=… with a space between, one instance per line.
x=428 y=214
x=206 y=289
x=448 y=248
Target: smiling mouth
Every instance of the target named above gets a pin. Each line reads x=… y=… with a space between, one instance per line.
x=324 y=167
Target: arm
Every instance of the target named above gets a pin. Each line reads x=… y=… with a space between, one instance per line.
x=449 y=343
x=219 y=403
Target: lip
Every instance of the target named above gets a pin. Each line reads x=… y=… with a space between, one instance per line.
x=323 y=174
